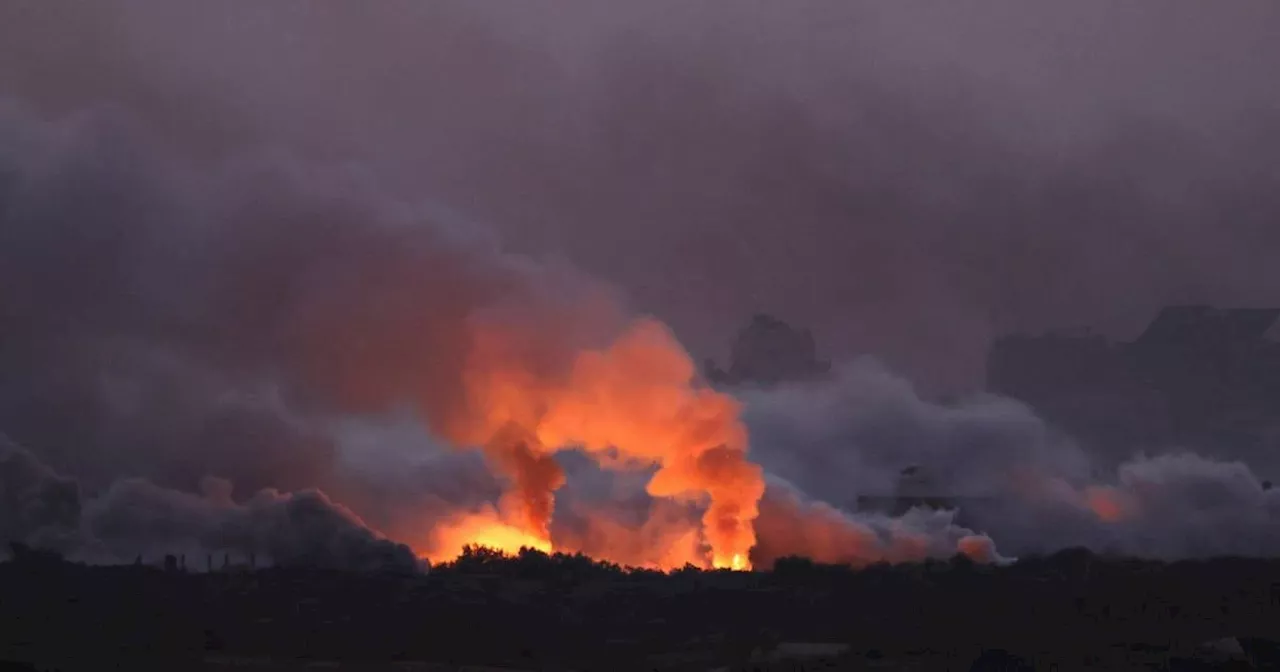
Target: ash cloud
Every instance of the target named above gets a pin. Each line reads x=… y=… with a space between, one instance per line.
x=854 y=434
x=194 y=297
x=298 y=528
x=908 y=180
x=1170 y=506
x=181 y=317
x=791 y=525
x=137 y=517
x=1010 y=477
x=173 y=306
x=39 y=505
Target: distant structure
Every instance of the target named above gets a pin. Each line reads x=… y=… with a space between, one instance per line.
x=769 y=351
x=1196 y=375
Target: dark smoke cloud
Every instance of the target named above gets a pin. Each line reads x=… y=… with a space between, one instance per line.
x=906 y=179
x=186 y=294
x=36 y=504
x=168 y=306
x=181 y=317
x=854 y=434
x=300 y=528
x=1168 y=506
x=791 y=526
x=137 y=517
x=1010 y=476
x=401 y=479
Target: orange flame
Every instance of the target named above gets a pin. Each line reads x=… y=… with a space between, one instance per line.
x=634 y=404
x=484 y=528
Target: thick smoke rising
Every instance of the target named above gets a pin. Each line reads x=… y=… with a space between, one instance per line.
x=907 y=180
x=789 y=525
x=300 y=528
x=176 y=320
x=855 y=434
x=1168 y=506
x=39 y=505
x=259 y=273
x=1011 y=477
x=214 y=259
x=183 y=303
x=137 y=517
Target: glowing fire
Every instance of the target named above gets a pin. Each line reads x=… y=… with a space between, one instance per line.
x=481 y=529
x=661 y=544
x=634 y=404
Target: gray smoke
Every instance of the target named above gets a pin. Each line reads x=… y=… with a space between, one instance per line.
x=300 y=528
x=135 y=517
x=36 y=505
x=906 y=179
x=180 y=318
x=855 y=434
x=218 y=317
x=791 y=525
x=208 y=258
x=199 y=318
x=1010 y=476
x=1169 y=506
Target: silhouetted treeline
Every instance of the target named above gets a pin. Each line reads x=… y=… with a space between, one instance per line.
x=552 y=612
x=530 y=563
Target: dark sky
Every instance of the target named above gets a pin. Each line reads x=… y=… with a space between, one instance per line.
x=906 y=178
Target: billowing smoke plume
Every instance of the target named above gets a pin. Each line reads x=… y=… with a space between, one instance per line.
x=791 y=526
x=1169 y=506
x=853 y=435
x=907 y=179
x=39 y=506
x=299 y=528
x=634 y=404
x=1005 y=471
x=259 y=273
x=187 y=293
x=216 y=319
x=137 y=517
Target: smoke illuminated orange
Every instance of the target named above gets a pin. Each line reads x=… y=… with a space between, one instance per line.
x=1108 y=504
x=481 y=529
x=638 y=404
x=634 y=404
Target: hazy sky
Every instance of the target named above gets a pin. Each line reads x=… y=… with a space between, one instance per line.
x=906 y=178
x=225 y=227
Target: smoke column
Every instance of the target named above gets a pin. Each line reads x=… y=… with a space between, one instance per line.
x=1009 y=475
x=220 y=316
x=208 y=260
x=260 y=272
x=634 y=404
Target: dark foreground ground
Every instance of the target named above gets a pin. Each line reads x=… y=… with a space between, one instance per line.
x=1068 y=611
